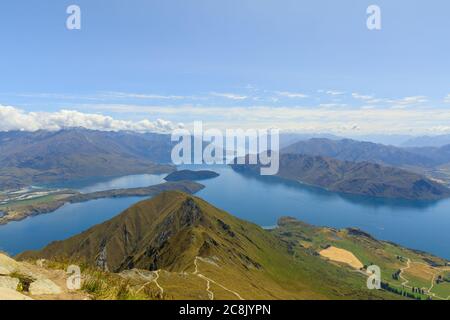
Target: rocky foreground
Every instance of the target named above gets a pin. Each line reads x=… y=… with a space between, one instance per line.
x=26 y=281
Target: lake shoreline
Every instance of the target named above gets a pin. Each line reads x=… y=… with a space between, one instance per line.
x=20 y=213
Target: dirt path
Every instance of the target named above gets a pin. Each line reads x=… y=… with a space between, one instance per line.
x=402 y=270
x=208 y=286
x=157 y=284
x=151 y=280
x=433 y=280
x=209 y=281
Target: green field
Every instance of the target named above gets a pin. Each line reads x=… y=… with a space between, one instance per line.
x=391 y=259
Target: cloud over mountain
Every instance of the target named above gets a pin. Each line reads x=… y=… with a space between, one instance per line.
x=12 y=118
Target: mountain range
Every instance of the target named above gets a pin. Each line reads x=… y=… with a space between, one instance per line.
x=45 y=157
x=428 y=141
x=360 y=178
x=359 y=151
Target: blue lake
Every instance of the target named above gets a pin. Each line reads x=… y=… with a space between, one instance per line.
x=419 y=225
x=36 y=232
x=102 y=184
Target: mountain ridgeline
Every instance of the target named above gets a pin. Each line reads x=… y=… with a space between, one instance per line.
x=359 y=151
x=360 y=178
x=428 y=141
x=45 y=157
x=167 y=232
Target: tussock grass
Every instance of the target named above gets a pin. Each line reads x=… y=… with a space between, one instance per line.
x=102 y=285
x=106 y=286
x=24 y=281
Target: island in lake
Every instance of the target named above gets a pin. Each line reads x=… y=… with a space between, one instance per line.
x=189 y=175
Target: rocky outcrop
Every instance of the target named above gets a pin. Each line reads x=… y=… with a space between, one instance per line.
x=9 y=294
x=7 y=265
x=28 y=281
x=9 y=283
x=44 y=287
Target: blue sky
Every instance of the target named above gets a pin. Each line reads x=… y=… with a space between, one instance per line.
x=299 y=65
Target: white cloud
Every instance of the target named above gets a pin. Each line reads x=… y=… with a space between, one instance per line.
x=394 y=103
x=142 y=96
x=12 y=118
x=288 y=94
x=368 y=107
x=335 y=93
x=367 y=120
x=440 y=129
x=376 y=101
x=407 y=101
x=104 y=96
x=362 y=97
x=231 y=96
x=447 y=99
x=332 y=105
x=58 y=96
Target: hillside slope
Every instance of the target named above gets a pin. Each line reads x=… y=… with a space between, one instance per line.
x=404 y=272
x=45 y=157
x=360 y=178
x=358 y=151
x=180 y=243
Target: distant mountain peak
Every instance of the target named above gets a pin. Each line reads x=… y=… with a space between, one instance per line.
x=360 y=151
x=46 y=157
